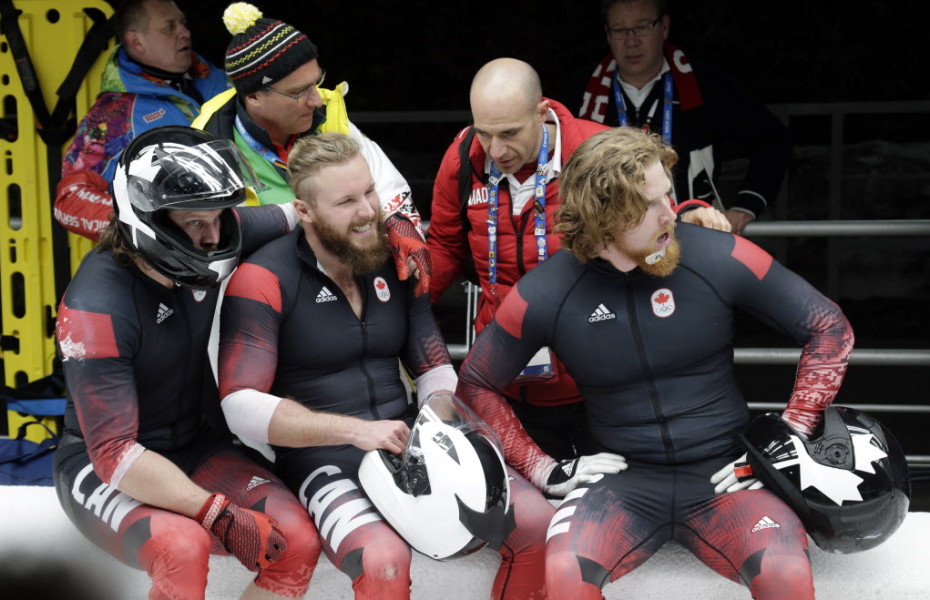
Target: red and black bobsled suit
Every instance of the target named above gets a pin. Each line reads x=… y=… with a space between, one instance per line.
x=135 y=361
x=653 y=360
x=288 y=330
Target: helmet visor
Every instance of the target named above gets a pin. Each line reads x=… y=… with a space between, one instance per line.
x=207 y=176
x=452 y=412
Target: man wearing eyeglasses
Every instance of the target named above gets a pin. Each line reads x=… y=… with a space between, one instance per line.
x=152 y=78
x=646 y=82
x=277 y=99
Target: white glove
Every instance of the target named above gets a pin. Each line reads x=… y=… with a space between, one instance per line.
x=729 y=479
x=569 y=474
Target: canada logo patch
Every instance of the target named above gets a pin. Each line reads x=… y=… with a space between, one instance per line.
x=663 y=303
x=381 y=289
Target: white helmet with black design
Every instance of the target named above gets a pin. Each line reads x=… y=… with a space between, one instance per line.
x=180 y=168
x=449 y=494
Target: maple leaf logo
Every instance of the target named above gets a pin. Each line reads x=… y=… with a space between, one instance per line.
x=381 y=284
x=662 y=298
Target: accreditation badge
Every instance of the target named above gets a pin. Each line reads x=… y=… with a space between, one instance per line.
x=539 y=368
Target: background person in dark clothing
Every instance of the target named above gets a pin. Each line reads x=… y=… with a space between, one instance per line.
x=646 y=82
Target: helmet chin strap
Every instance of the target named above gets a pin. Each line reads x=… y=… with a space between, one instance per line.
x=655 y=256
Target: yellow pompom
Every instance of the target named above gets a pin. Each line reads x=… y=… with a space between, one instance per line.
x=240 y=16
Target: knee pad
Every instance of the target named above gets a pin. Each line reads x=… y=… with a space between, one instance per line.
x=177 y=557
x=386 y=559
x=785 y=576
x=572 y=576
x=380 y=571
x=290 y=575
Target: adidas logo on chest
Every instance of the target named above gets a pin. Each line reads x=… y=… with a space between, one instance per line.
x=325 y=296
x=601 y=313
x=163 y=313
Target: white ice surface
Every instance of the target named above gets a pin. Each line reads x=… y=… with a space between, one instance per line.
x=33 y=528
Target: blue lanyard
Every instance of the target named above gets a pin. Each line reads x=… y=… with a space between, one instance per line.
x=258 y=147
x=539 y=208
x=668 y=92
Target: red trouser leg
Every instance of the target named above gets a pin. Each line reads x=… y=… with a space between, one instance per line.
x=357 y=540
x=522 y=573
x=172 y=548
x=598 y=534
x=176 y=556
x=753 y=538
x=290 y=575
x=252 y=486
x=385 y=563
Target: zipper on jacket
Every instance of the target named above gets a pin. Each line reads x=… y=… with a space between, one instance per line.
x=641 y=353
x=369 y=382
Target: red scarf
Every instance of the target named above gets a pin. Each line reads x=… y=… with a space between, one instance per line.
x=597 y=93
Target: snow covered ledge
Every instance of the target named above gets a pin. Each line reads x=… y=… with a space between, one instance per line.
x=34 y=528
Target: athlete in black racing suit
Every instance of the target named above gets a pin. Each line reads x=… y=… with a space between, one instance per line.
x=302 y=324
x=135 y=360
x=653 y=359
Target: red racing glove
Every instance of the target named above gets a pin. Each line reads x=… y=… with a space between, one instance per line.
x=407 y=244
x=252 y=537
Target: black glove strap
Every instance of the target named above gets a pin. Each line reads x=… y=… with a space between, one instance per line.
x=563 y=471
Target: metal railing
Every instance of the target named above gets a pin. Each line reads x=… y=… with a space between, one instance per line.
x=790 y=356
x=878 y=228
x=873 y=228
x=830 y=228
x=837 y=112
x=780 y=356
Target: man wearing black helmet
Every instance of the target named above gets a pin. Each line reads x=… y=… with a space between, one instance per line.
x=140 y=471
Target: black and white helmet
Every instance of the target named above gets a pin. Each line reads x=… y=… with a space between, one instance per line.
x=848 y=483
x=449 y=494
x=180 y=168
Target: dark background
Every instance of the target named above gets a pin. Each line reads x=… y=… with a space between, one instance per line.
x=421 y=55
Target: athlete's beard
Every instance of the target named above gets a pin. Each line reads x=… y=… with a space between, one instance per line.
x=362 y=260
x=662 y=267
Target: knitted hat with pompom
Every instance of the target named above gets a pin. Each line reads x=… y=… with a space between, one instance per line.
x=262 y=51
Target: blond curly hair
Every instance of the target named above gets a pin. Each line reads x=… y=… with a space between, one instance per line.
x=602 y=185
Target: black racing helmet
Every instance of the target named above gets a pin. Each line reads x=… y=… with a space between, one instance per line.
x=848 y=483
x=180 y=168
